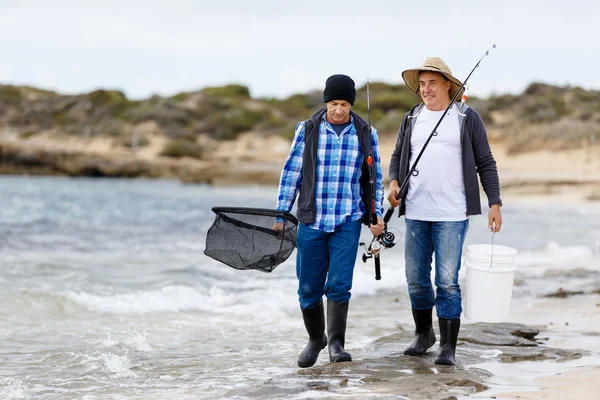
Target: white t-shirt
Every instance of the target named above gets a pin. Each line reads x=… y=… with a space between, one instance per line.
x=438 y=192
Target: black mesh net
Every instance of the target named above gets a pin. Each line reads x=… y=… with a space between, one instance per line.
x=243 y=238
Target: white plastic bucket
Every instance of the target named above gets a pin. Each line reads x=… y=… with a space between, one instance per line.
x=490 y=277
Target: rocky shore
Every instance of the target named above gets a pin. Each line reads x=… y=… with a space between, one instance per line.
x=255 y=159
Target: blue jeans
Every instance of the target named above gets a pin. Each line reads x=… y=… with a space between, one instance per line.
x=325 y=263
x=445 y=239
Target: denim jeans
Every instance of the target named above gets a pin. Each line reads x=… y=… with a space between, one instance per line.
x=422 y=240
x=325 y=263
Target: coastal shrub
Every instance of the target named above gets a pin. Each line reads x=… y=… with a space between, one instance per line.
x=182 y=148
x=130 y=142
x=180 y=96
x=27 y=134
x=542 y=89
x=227 y=125
x=228 y=91
x=102 y=97
x=377 y=114
x=289 y=130
x=587 y=96
x=297 y=106
x=501 y=102
x=389 y=101
x=482 y=107
x=109 y=127
x=105 y=103
x=10 y=94
x=389 y=123
x=210 y=104
x=272 y=123
x=164 y=111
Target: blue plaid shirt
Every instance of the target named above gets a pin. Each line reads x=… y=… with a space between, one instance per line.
x=337 y=183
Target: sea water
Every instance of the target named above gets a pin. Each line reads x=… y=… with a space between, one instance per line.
x=105 y=292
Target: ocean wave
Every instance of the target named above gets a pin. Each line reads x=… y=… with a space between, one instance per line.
x=39 y=302
x=242 y=301
x=554 y=255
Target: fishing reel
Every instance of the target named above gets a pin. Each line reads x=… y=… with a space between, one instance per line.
x=373 y=249
x=386 y=240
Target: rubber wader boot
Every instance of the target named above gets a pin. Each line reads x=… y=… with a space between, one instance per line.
x=448 y=336
x=424 y=334
x=337 y=313
x=314 y=321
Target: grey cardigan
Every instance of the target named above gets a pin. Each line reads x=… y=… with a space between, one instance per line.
x=476 y=158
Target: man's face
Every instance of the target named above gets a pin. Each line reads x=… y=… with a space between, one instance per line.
x=338 y=111
x=434 y=90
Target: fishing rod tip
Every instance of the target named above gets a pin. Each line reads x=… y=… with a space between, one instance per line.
x=493 y=46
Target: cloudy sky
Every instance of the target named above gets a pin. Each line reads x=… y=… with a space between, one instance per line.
x=278 y=47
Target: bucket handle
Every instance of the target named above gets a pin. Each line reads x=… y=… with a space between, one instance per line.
x=492 y=256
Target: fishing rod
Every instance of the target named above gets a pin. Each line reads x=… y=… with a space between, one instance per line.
x=374 y=246
x=387 y=239
x=413 y=170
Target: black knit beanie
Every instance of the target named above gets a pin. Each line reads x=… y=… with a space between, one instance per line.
x=339 y=87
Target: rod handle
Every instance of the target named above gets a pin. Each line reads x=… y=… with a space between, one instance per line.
x=375 y=249
x=388 y=215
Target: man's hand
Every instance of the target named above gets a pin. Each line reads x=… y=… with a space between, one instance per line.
x=495 y=218
x=278 y=227
x=394 y=190
x=378 y=229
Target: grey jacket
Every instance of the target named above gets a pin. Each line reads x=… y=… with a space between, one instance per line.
x=476 y=158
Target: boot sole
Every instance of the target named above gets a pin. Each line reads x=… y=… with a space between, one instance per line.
x=341 y=359
x=409 y=352
x=317 y=357
x=444 y=361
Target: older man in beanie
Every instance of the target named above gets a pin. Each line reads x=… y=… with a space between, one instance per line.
x=328 y=166
x=440 y=199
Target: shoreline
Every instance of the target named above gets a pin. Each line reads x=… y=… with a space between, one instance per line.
x=569 y=323
x=244 y=160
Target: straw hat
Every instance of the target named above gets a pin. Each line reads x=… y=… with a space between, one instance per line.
x=434 y=64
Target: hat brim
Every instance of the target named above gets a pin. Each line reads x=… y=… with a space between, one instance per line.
x=411 y=79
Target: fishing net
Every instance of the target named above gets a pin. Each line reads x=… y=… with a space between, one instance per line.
x=243 y=238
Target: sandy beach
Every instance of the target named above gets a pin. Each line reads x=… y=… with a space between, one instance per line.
x=569 y=323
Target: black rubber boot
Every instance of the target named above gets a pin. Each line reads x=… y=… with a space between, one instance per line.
x=424 y=334
x=314 y=321
x=336 y=330
x=448 y=336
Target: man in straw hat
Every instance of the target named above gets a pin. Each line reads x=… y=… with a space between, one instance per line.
x=440 y=199
x=328 y=167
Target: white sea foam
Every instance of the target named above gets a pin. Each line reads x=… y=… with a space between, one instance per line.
x=172 y=298
x=117 y=366
x=12 y=389
x=537 y=263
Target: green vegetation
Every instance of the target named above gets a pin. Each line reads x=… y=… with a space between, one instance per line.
x=10 y=94
x=182 y=148
x=542 y=116
x=228 y=91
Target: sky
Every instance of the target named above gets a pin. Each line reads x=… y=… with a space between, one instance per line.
x=278 y=48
